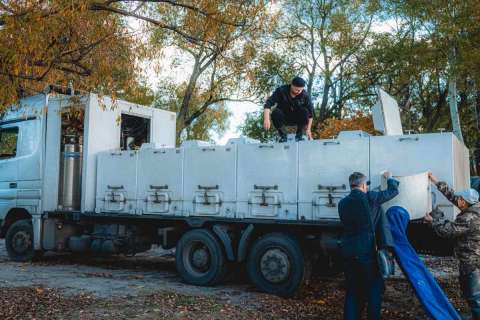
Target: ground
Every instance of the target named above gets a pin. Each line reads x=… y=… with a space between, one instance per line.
x=147 y=287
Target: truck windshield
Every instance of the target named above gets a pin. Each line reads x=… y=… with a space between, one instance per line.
x=8 y=142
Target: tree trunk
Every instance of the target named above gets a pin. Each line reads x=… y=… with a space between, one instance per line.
x=187 y=97
x=452 y=96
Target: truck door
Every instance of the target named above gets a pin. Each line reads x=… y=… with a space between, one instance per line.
x=9 y=134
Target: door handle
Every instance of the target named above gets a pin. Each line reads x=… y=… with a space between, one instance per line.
x=13 y=185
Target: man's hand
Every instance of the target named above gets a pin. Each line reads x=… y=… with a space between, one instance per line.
x=309 y=134
x=308 y=130
x=432 y=178
x=266 y=119
x=428 y=218
x=387 y=174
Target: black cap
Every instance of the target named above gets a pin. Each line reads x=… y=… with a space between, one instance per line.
x=299 y=82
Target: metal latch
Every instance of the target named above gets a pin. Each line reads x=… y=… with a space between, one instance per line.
x=205 y=194
x=264 y=189
x=330 y=190
x=157 y=194
x=112 y=193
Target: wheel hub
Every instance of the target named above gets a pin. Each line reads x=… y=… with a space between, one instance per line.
x=21 y=242
x=201 y=259
x=275 y=265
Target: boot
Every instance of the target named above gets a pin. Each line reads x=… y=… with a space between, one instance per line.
x=282 y=132
x=299 y=135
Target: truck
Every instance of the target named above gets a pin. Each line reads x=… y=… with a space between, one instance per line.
x=84 y=173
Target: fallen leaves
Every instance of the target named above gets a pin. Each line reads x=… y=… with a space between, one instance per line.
x=38 y=303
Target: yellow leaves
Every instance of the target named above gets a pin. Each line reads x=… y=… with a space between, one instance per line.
x=332 y=127
x=58 y=41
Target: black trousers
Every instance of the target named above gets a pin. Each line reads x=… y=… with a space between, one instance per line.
x=365 y=287
x=298 y=117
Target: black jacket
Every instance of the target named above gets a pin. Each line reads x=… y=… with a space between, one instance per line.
x=357 y=211
x=281 y=97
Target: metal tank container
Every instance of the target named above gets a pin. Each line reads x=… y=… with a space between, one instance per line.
x=69 y=196
x=209 y=181
x=117 y=182
x=324 y=167
x=160 y=181
x=267 y=181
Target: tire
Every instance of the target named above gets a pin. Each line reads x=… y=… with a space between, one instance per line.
x=19 y=241
x=200 y=259
x=276 y=264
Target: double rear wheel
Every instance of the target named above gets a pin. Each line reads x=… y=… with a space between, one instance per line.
x=276 y=264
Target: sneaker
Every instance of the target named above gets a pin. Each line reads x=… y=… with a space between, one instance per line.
x=282 y=139
x=299 y=138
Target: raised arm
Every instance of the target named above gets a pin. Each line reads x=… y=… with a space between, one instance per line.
x=444 y=189
x=391 y=192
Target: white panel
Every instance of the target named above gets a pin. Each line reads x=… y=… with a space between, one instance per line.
x=267 y=180
x=117 y=182
x=412 y=154
x=52 y=155
x=324 y=168
x=209 y=181
x=163 y=127
x=386 y=115
x=101 y=133
x=414 y=195
x=461 y=165
x=160 y=181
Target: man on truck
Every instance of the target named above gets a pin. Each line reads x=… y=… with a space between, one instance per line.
x=465 y=229
x=293 y=107
x=365 y=229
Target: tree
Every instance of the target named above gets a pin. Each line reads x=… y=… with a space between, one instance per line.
x=320 y=40
x=413 y=63
x=253 y=128
x=62 y=41
x=88 y=42
x=220 y=53
x=332 y=127
x=214 y=120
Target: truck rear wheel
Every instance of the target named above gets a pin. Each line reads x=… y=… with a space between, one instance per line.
x=276 y=264
x=19 y=241
x=200 y=259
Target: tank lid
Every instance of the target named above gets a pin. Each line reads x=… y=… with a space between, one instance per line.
x=195 y=143
x=242 y=140
x=353 y=134
x=386 y=115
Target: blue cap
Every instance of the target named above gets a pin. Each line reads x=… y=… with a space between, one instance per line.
x=470 y=195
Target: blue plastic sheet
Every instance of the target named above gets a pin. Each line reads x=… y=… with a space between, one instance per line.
x=431 y=296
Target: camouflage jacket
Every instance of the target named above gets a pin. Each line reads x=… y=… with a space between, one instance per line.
x=465 y=229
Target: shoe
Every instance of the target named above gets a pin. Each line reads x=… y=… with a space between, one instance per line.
x=299 y=138
x=282 y=139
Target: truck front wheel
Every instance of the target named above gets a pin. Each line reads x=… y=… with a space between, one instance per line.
x=200 y=259
x=276 y=264
x=19 y=241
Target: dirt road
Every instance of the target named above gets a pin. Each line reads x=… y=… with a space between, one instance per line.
x=147 y=287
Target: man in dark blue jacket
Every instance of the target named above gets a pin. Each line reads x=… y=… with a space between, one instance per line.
x=361 y=214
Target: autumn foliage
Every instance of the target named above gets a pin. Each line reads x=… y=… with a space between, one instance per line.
x=332 y=127
x=58 y=42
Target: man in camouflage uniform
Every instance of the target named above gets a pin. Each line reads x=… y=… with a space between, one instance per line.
x=465 y=229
